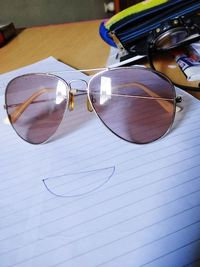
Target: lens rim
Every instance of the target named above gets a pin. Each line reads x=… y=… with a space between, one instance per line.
x=64 y=113
x=135 y=68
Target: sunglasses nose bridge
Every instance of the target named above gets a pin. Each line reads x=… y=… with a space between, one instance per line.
x=78 y=85
x=74 y=90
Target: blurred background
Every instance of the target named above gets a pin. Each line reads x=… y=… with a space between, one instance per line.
x=26 y=13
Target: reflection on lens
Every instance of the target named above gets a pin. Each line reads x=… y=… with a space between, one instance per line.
x=136 y=104
x=171 y=38
x=35 y=105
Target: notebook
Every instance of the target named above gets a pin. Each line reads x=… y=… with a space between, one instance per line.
x=88 y=198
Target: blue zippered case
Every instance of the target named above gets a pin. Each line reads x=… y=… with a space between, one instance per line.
x=132 y=28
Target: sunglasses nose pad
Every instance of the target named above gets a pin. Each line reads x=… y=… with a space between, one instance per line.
x=89 y=106
x=78 y=86
x=71 y=102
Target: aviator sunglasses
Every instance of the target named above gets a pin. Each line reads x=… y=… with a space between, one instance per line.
x=136 y=104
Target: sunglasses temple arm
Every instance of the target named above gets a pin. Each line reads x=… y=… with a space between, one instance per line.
x=22 y=107
x=19 y=110
x=164 y=104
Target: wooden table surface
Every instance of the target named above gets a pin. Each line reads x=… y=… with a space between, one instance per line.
x=77 y=44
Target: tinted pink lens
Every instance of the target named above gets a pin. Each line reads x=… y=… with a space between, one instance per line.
x=136 y=104
x=35 y=105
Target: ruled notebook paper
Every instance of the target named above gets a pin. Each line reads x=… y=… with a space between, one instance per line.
x=49 y=65
x=145 y=212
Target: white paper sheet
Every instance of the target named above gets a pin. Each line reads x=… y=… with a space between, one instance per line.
x=50 y=65
x=146 y=214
